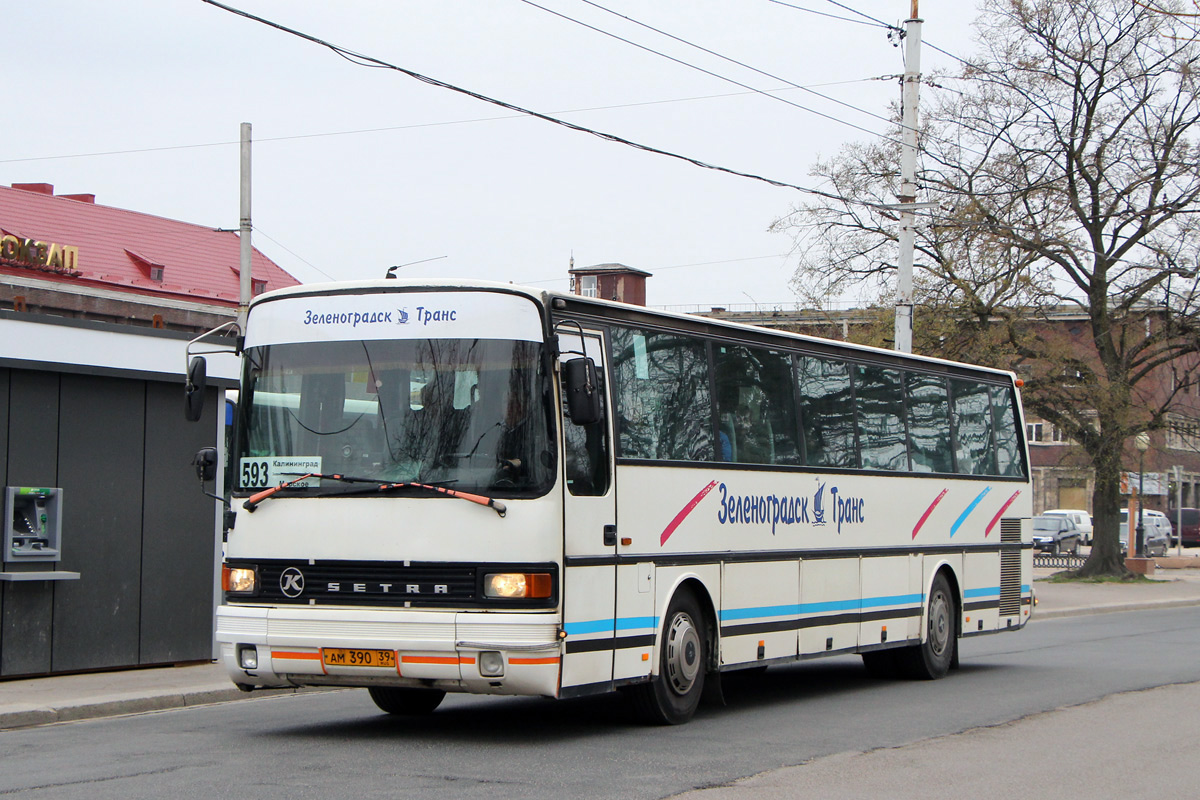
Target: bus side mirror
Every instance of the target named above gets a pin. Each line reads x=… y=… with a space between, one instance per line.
x=205 y=462
x=193 y=396
x=583 y=391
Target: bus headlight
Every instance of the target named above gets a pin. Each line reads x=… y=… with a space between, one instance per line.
x=517 y=584
x=239 y=580
x=247 y=656
x=491 y=664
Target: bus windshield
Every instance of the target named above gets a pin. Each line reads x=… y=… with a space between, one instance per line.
x=466 y=413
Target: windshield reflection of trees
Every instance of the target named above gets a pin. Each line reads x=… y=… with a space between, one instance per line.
x=467 y=412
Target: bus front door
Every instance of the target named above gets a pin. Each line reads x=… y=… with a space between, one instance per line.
x=590 y=536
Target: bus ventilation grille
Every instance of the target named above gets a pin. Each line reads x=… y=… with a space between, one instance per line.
x=1010 y=568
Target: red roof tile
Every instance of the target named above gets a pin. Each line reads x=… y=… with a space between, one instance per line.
x=117 y=248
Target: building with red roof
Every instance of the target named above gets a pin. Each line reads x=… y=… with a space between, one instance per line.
x=109 y=550
x=66 y=255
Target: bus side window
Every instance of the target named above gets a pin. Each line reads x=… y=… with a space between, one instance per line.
x=879 y=399
x=972 y=411
x=1008 y=447
x=929 y=423
x=827 y=412
x=756 y=408
x=661 y=392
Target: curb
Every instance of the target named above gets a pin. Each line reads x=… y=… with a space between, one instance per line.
x=1088 y=611
x=47 y=715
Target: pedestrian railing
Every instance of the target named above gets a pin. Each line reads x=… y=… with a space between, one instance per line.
x=1058 y=560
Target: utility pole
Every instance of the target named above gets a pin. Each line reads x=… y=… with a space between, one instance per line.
x=908 y=180
x=245 y=286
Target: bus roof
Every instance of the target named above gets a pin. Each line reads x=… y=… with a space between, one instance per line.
x=610 y=309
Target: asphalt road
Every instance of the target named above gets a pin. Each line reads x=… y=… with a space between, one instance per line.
x=337 y=745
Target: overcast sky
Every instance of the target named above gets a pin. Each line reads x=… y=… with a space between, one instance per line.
x=358 y=169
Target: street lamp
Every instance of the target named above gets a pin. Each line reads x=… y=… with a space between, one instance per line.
x=1142 y=442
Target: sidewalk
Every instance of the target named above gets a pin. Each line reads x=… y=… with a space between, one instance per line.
x=37 y=701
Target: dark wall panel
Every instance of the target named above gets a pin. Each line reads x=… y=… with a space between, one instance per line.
x=101 y=470
x=33 y=429
x=26 y=611
x=178 y=532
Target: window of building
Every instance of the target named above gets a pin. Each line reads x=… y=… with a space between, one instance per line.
x=1033 y=432
x=1183 y=433
x=587 y=285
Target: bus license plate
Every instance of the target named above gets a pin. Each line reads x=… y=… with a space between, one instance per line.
x=345 y=657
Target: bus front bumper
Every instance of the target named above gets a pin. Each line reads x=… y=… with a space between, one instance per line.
x=458 y=651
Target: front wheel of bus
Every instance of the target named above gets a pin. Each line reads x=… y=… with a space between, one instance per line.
x=406 y=702
x=672 y=697
x=935 y=655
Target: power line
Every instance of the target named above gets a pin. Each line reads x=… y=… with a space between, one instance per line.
x=735 y=61
x=702 y=69
x=375 y=63
x=385 y=129
x=861 y=14
x=832 y=16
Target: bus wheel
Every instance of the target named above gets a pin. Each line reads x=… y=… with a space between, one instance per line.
x=932 y=658
x=406 y=702
x=672 y=696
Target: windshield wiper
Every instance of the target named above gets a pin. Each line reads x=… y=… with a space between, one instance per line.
x=254 y=499
x=377 y=487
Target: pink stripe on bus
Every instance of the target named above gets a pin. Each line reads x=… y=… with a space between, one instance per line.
x=996 y=518
x=928 y=511
x=682 y=515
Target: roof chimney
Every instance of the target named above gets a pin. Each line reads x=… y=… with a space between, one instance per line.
x=82 y=198
x=39 y=188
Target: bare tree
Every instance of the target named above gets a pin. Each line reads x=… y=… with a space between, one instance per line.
x=1064 y=160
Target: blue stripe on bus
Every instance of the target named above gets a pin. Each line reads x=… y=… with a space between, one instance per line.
x=791 y=609
x=963 y=517
x=802 y=609
x=609 y=625
x=990 y=591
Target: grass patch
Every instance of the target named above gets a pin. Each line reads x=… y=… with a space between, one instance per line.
x=1072 y=576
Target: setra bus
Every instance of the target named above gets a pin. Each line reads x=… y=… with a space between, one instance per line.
x=476 y=487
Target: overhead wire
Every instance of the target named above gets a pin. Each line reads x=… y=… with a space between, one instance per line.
x=708 y=72
x=830 y=16
x=385 y=129
x=740 y=63
x=376 y=63
x=810 y=90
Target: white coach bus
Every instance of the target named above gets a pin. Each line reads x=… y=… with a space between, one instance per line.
x=473 y=487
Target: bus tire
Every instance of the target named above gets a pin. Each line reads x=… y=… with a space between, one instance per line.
x=672 y=696
x=932 y=658
x=406 y=702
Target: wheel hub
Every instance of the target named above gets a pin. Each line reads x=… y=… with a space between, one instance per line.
x=683 y=654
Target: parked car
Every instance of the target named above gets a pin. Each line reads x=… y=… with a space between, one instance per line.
x=1190 y=530
x=1157 y=536
x=1056 y=534
x=1082 y=520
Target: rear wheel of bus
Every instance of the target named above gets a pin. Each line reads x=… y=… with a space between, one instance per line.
x=406 y=702
x=672 y=697
x=935 y=655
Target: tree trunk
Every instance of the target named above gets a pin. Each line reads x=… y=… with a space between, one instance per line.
x=1106 y=558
